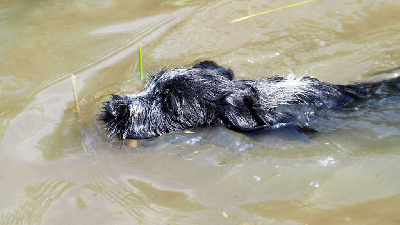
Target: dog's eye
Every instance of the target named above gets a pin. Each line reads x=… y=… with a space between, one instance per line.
x=165 y=91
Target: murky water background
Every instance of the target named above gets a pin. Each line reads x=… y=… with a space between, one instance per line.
x=58 y=167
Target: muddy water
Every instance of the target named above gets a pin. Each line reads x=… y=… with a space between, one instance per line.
x=59 y=167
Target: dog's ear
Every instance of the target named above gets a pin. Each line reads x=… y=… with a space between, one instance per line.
x=180 y=103
x=211 y=65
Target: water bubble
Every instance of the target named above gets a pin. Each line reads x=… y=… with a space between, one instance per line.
x=328 y=160
x=257 y=178
x=314 y=184
x=194 y=141
x=245 y=147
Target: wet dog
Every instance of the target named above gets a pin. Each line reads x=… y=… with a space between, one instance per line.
x=206 y=95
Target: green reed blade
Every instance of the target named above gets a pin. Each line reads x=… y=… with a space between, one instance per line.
x=140 y=62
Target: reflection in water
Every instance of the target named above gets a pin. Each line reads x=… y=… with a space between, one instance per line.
x=146 y=203
x=129 y=201
x=165 y=198
x=38 y=199
x=68 y=130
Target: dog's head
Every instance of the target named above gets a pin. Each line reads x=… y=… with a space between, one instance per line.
x=130 y=116
x=174 y=100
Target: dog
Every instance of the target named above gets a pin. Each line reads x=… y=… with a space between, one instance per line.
x=206 y=94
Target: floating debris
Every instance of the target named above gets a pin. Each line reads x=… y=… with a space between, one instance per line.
x=272 y=10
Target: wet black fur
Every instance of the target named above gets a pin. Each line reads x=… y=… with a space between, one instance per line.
x=206 y=95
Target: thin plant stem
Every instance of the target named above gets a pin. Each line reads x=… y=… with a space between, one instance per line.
x=73 y=79
x=272 y=10
x=140 y=62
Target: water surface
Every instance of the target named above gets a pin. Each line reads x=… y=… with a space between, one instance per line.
x=60 y=167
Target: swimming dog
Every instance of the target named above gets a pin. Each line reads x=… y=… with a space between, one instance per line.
x=206 y=94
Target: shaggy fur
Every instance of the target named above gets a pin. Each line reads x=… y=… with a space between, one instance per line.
x=206 y=94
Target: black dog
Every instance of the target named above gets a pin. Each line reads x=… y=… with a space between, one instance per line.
x=206 y=94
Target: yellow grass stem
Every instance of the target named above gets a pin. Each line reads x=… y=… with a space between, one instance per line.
x=272 y=10
x=73 y=79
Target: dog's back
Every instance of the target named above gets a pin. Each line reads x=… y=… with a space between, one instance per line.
x=289 y=90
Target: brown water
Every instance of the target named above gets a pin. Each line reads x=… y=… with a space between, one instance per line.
x=58 y=167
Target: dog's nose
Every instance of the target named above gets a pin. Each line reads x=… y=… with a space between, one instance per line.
x=116 y=97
